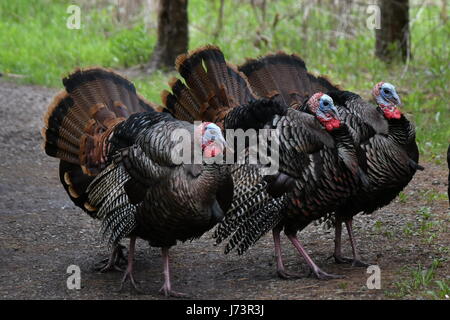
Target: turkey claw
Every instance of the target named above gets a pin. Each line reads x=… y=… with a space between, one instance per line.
x=354 y=262
x=322 y=275
x=103 y=267
x=129 y=275
x=170 y=293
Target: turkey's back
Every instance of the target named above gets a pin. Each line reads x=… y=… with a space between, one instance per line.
x=389 y=146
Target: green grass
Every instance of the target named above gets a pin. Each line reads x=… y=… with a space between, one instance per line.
x=402 y=197
x=431 y=196
x=421 y=282
x=428 y=226
x=35 y=42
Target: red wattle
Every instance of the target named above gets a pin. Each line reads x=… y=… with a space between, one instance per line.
x=392 y=114
x=397 y=114
x=211 y=150
x=336 y=123
x=331 y=124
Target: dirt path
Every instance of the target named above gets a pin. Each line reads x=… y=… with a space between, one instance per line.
x=42 y=233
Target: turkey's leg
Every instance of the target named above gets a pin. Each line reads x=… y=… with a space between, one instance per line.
x=166 y=288
x=356 y=261
x=281 y=271
x=129 y=271
x=337 y=255
x=114 y=261
x=338 y=258
x=314 y=268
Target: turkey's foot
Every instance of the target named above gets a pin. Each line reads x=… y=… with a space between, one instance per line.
x=281 y=271
x=166 y=291
x=129 y=275
x=322 y=275
x=314 y=269
x=115 y=262
x=129 y=272
x=354 y=262
x=106 y=265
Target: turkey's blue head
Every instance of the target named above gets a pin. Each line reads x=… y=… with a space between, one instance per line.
x=212 y=141
x=322 y=106
x=387 y=99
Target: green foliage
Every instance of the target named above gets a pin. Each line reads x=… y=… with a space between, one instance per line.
x=151 y=87
x=409 y=229
x=131 y=46
x=378 y=226
x=421 y=281
x=431 y=196
x=442 y=291
x=428 y=226
x=343 y=285
x=333 y=40
x=402 y=197
x=36 y=43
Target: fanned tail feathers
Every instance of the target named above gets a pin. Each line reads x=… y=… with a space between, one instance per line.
x=284 y=77
x=79 y=122
x=212 y=87
x=80 y=119
x=63 y=128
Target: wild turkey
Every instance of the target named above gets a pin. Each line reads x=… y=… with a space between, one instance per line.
x=385 y=135
x=138 y=190
x=64 y=143
x=315 y=151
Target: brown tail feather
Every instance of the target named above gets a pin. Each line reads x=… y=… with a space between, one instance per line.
x=181 y=103
x=212 y=88
x=322 y=83
x=95 y=89
x=75 y=182
x=81 y=118
x=223 y=74
x=284 y=77
x=63 y=129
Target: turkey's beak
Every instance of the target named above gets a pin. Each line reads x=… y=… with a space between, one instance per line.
x=395 y=99
x=334 y=114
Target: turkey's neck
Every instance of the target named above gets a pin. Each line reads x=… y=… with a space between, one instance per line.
x=346 y=148
x=343 y=138
x=400 y=130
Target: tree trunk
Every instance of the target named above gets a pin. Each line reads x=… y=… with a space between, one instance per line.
x=173 y=37
x=393 y=39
